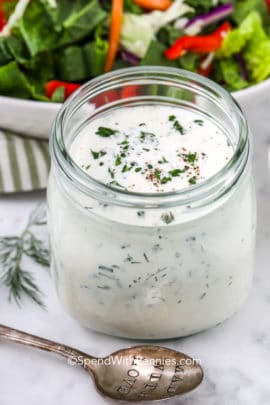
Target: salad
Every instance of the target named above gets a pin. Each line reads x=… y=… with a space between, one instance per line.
x=48 y=48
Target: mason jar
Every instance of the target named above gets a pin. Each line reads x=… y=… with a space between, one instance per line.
x=142 y=265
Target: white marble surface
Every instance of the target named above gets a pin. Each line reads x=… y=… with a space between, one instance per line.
x=235 y=355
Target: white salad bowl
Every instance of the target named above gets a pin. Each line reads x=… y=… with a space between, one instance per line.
x=34 y=118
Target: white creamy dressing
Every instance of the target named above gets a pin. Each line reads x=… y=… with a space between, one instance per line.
x=151 y=273
x=151 y=149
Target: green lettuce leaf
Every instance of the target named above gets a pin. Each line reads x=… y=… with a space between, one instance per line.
x=235 y=40
x=168 y=34
x=200 y=6
x=39 y=70
x=70 y=64
x=44 y=28
x=14 y=83
x=8 y=7
x=190 y=61
x=227 y=72
x=243 y=7
x=252 y=41
x=12 y=48
x=5 y=55
x=155 y=56
x=78 y=63
x=257 y=56
x=17 y=49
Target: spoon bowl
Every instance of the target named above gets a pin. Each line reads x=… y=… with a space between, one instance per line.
x=147 y=373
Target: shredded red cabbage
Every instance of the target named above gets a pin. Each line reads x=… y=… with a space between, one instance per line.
x=213 y=16
x=243 y=66
x=130 y=57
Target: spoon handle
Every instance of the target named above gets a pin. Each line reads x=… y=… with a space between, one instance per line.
x=40 y=343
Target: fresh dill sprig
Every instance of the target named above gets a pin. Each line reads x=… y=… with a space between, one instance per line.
x=19 y=281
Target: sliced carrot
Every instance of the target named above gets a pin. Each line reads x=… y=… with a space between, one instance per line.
x=154 y=4
x=115 y=32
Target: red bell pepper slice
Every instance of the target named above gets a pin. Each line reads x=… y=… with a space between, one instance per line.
x=3 y=20
x=198 y=43
x=52 y=85
x=130 y=91
x=268 y=6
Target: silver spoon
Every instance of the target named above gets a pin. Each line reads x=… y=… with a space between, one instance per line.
x=138 y=373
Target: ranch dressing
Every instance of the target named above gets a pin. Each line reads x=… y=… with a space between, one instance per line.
x=154 y=272
x=151 y=149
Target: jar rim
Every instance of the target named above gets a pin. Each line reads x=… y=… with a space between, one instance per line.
x=203 y=192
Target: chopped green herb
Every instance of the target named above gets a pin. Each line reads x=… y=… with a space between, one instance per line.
x=199 y=122
x=146 y=149
x=140 y=213
x=118 y=160
x=165 y=180
x=146 y=257
x=176 y=124
x=87 y=167
x=192 y=180
x=163 y=160
x=115 y=183
x=156 y=247
x=157 y=173
x=130 y=259
x=178 y=127
x=101 y=163
x=150 y=166
x=97 y=155
x=126 y=169
x=167 y=217
x=112 y=172
x=190 y=157
x=106 y=268
x=105 y=132
x=145 y=134
x=138 y=169
x=176 y=172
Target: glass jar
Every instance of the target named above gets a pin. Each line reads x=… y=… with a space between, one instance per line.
x=119 y=268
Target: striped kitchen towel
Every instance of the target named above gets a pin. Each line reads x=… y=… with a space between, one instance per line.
x=24 y=163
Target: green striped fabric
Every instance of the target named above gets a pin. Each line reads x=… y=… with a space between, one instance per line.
x=24 y=163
